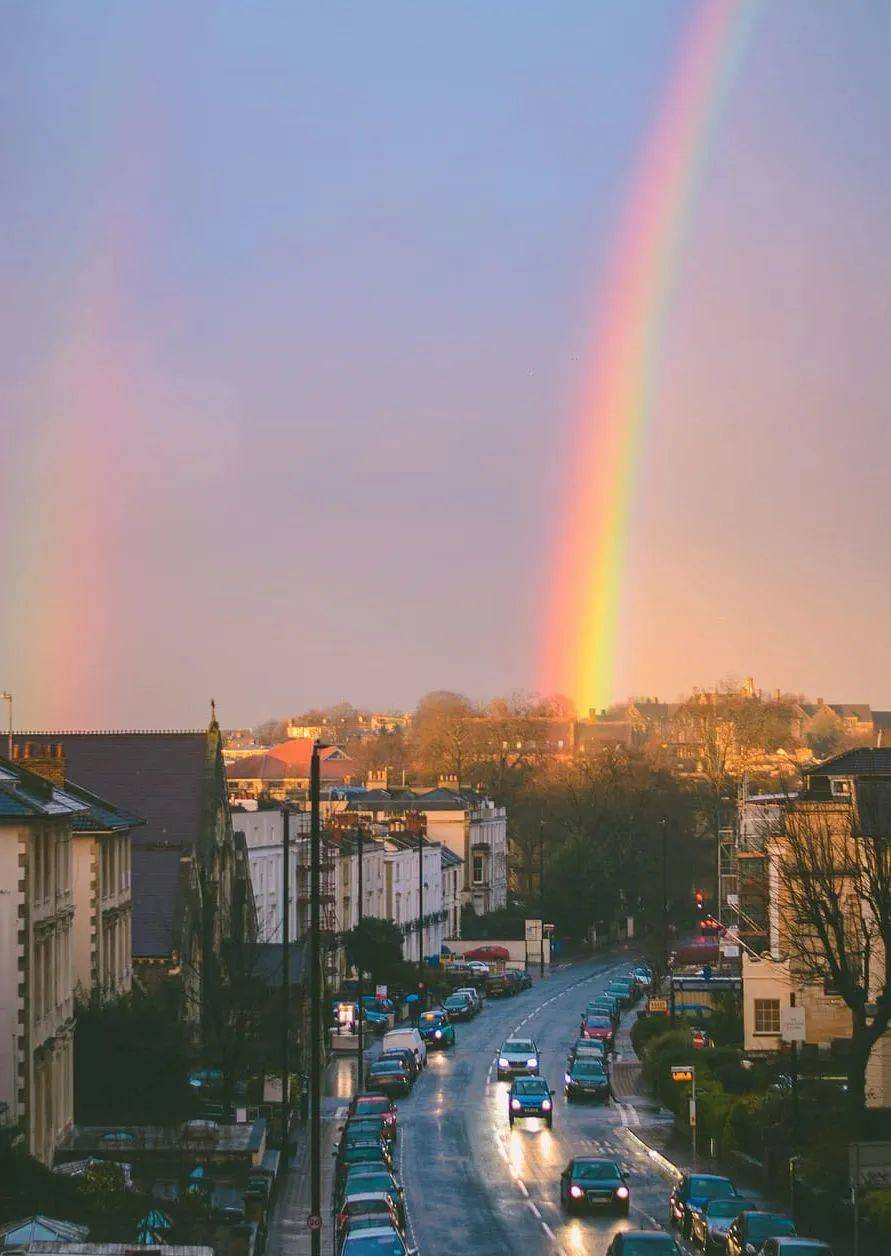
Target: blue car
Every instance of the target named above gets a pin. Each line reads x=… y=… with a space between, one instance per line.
x=530 y=1096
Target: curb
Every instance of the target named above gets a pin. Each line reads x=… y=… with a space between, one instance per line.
x=662 y=1162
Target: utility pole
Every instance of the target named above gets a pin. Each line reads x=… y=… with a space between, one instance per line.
x=360 y=835
x=420 y=911
x=7 y=697
x=793 y=1064
x=286 y=984
x=541 y=893
x=663 y=825
x=315 y=1037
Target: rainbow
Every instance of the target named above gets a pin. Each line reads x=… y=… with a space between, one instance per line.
x=581 y=633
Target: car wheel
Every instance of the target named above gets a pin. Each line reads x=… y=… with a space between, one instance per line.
x=510 y=1121
x=623 y=1210
x=550 y=1122
x=688 y=1227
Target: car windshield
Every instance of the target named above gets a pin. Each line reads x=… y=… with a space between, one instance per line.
x=518 y=1046
x=595 y=1170
x=711 y=1187
x=766 y=1226
x=589 y=1068
x=455 y=1001
x=369 y=1150
x=387 y=1066
x=724 y=1208
x=598 y=1022
x=356 y=1207
x=365 y=1107
x=389 y=1244
x=368 y=1183
x=531 y=1086
x=649 y=1245
x=430 y=1018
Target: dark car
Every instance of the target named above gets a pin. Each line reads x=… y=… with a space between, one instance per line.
x=384 y=1240
x=589 y=1049
x=436 y=1029
x=406 y=1055
x=459 y=1007
x=794 y=1246
x=586 y=1079
x=390 y=1077
x=692 y=1191
x=600 y=1027
x=376 y=1105
x=751 y=1229
x=524 y=979
x=643 y=1243
x=604 y=1007
x=358 y=1128
x=627 y=992
x=500 y=984
x=530 y=1096
x=709 y=1222
x=590 y=1183
x=361 y=1206
x=371 y=1152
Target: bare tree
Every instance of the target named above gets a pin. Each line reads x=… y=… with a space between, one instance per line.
x=833 y=858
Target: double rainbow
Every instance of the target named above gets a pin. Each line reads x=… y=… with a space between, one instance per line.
x=618 y=397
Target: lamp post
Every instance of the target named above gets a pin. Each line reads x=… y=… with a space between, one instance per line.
x=315 y=1035
x=420 y=909
x=286 y=983
x=7 y=698
x=541 y=894
x=360 y=836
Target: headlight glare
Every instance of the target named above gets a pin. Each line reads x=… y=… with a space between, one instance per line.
x=622 y=1192
x=545 y=1105
x=515 y=1105
x=576 y=1192
x=532 y=1062
x=502 y=1062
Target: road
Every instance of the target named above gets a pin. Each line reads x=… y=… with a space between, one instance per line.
x=472 y=1184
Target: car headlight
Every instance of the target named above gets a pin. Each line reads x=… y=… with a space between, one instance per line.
x=567 y=1078
x=438 y=1033
x=502 y=1062
x=545 y=1105
x=515 y=1105
x=532 y=1062
x=576 y=1192
x=622 y=1192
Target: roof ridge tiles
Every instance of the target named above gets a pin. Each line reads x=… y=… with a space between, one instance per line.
x=108 y=732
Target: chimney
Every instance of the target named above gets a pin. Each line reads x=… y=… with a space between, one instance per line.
x=377 y=778
x=819 y=702
x=448 y=782
x=46 y=760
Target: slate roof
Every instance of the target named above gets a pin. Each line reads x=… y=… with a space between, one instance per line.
x=449 y=858
x=266 y=963
x=26 y=796
x=864 y=761
x=163 y=778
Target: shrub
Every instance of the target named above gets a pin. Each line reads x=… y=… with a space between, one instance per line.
x=646 y=1029
x=876 y=1206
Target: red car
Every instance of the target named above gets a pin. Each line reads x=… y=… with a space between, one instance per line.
x=376 y=1105
x=599 y=1027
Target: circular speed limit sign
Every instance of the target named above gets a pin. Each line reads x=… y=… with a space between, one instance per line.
x=314 y=1221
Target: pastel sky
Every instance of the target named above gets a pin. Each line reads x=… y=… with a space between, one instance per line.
x=296 y=301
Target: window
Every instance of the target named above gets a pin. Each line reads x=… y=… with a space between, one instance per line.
x=477 y=869
x=767 y=1016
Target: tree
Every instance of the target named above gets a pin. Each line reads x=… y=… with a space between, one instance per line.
x=443 y=735
x=376 y=944
x=826 y=735
x=833 y=859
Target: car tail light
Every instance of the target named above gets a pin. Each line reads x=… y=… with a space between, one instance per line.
x=545 y=1105
x=342 y=1218
x=515 y=1105
x=576 y=1192
x=622 y=1192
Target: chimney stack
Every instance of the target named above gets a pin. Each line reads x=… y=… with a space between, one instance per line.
x=46 y=760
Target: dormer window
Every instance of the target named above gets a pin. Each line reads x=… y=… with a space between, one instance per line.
x=841 y=787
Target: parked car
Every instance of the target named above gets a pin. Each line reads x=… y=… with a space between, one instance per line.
x=473 y=994
x=459 y=1007
x=599 y=1027
x=751 y=1229
x=390 y=1077
x=499 y=985
x=364 y=1178
x=795 y=1247
x=530 y=1097
x=372 y=1151
x=710 y=1221
x=589 y=1049
x=627 y=992
x=692 y=1191
x=524 y=978
x=406 y=1036
x=382 y=1240
x=406 y=1057
x=591 y=1183
x=376 y=1105
x=372 y=1204
x=517 y=1056
x=643 y=1243
x=478 y=966
x=603 y=1007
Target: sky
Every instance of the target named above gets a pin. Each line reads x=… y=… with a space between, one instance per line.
x=296 y=303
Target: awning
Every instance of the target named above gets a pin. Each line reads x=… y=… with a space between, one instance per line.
x=488 y=952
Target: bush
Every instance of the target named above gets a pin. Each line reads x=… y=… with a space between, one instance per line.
x=646 y=1029
x=876 y=1207
x=664 y=1051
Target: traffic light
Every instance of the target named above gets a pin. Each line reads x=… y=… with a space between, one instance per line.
x=699 y=898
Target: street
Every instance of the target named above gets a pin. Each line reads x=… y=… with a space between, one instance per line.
x=471 y=1183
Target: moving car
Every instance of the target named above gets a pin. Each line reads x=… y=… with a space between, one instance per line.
x=643 y=1243
x=795 y=1247
x=459 y=1007
x=375 y=1105
x=517 y=1056
x=750 y=1230
x=710 y=1221
x=586 y=1079
x=404 y=1037
x=530 y=1096
x=643 y=976
x=382 y=1240
x=390 y=1077
x=592 y=1183
x=600 y=1027
x=436 y=1029
x=692 y=1191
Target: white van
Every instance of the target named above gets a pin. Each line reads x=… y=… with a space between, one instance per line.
x=406 y=1039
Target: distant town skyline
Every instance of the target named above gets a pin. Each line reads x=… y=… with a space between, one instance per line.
x=295 y=336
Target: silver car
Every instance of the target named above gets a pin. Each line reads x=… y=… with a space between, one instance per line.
x=518 y=1057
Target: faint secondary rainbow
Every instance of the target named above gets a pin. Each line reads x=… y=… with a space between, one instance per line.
x=618 y=395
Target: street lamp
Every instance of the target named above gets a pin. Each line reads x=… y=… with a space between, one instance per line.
x=7 y=697
x=315 y=1034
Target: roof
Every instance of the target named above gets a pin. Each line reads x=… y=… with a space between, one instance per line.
x=266 y=963
x=864 y=761
x=100 y=816
x=290 y=760
x=41 y=1229
x=26 y=796
x=164 y=778
x=449 y=858
x=881 y=719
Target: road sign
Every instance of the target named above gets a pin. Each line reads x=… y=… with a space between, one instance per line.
x=728 y=949
x=533 y=930
x=313 y=1221
x=870 y=1165
x=657 y=1005
x=792 y=1024
x=682 y=1072
x=692 y=1113
x=380 y=992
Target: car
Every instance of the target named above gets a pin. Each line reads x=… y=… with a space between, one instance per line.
x=473 y=994
x=592 y=1183
x=363 y=1179
x=384 y=1240
x=691 y=1191
x=500 y=985
x=372 y=1151
x=406 y=1057
x=603 y=1007
x=626 y=992
x=643 y=976
x=794 y=1246
x=530 y=1096
x=358 y=1128
x=459 y=1007
x=517 y=1056
x=524 y=978
x=376 y=1204
x=390 y=1077
x=643 y=1243
x=599 y=1027
x=406 y=1037
x=586 y=1079
x=752 y=1228
x=376 y=1105
x=701 y=1038
x=588 y=1049
x=710 y=1221
x=477 y=966
x=436 y=1029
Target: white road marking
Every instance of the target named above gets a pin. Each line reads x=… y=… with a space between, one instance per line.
x=524 y=1188
x=533 y=1209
